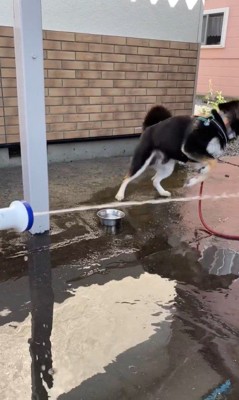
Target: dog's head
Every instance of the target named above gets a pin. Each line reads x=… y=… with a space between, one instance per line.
x=231 y=111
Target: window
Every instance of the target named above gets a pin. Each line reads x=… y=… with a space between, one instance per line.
x=214 y=27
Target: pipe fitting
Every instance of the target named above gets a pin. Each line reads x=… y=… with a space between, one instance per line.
x=18 y=216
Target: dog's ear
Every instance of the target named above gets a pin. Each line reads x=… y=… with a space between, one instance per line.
x=230 y=106
x=231 y=109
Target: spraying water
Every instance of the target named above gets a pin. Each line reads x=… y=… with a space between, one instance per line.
x=123 y=204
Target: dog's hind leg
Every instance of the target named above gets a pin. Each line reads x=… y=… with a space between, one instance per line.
x=205 y=171
x=135 y=173
x=163 y=171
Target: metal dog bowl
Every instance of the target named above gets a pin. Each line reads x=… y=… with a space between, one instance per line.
x=110 y=217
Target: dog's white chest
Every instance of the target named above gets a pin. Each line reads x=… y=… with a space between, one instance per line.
x=214 y=148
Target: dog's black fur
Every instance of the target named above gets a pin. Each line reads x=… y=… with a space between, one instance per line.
x=155 y=115
x=167 y=139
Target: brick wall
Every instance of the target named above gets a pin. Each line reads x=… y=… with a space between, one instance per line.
x=100 y=85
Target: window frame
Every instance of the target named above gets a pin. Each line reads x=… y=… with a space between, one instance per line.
x=225 y=11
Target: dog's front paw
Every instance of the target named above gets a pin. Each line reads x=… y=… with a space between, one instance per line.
x=191 y=182
x=165 y=193
x=119 y=197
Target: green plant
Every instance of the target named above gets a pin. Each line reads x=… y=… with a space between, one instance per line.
x=205 y=111
x=213 y=98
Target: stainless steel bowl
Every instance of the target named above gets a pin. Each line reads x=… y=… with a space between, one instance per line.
x=110 y=216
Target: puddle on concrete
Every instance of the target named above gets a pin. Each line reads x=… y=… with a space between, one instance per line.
x=142 y=314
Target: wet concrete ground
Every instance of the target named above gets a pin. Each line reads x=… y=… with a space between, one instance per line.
x=148 y=313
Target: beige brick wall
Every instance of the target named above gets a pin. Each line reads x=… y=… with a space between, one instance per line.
x=99 y=85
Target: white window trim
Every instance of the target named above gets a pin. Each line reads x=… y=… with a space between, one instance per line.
x=224 y=10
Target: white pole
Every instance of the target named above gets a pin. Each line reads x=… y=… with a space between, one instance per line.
x=31 y=107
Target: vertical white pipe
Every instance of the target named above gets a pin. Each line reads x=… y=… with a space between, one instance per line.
x=31 y=106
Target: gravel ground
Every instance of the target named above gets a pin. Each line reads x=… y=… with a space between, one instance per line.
x=233 y=148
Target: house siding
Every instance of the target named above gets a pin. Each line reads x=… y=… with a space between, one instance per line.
x=221 y=65
x=139 y=19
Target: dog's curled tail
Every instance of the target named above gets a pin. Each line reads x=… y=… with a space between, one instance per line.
x=155 y=115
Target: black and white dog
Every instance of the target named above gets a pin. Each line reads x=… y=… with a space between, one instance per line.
x=167 y=139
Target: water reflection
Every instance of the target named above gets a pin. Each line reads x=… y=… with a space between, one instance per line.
x=184 y=263
x=205 y=309
x=220 y=261
x=107 y=337
x=42 y=299
x=130 y=325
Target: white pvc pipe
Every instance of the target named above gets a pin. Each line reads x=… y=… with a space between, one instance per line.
x=31 y=106
x=18 y=216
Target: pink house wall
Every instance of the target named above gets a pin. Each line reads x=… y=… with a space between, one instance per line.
x=221 y=65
